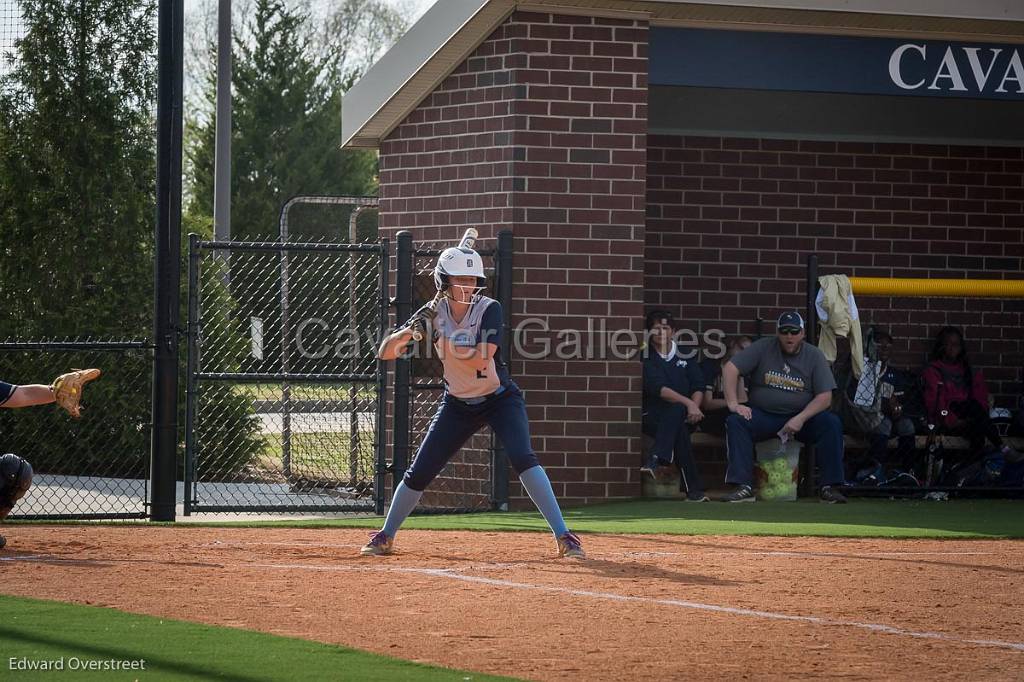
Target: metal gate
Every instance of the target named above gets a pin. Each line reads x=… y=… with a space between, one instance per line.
x=284 y=392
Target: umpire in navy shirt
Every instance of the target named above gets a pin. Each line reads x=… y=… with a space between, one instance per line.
x=673 y=387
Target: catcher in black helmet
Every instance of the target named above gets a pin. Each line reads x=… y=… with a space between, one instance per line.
x=16 y=472
x=15 y=480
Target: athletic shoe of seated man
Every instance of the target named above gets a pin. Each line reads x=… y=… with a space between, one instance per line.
x=697 y=496
x=742 y=493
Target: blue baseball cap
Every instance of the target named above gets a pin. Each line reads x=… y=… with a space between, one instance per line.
x=790 y=318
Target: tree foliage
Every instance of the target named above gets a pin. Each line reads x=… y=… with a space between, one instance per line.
x=76 y=171
x=77 y=168
x=286 y=122
x=77 y=213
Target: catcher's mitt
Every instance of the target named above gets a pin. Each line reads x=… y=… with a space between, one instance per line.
x=67 y=389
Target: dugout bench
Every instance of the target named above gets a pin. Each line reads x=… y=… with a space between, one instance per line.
x=709 y=452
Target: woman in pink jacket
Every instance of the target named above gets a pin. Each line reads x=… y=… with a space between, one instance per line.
x=955 y=394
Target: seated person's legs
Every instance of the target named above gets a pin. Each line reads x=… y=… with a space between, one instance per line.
x=740 y=436
x=879 y=440
x=664 y=427
x=906 y=444
x=902 y=459
x=690 y=481
x=714 y=422
x=825 y=431
x=977 y=424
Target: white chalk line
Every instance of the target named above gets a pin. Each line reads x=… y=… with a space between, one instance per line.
x=611 y=596
x=844 y=555
x=810 y=555
x=299 y=545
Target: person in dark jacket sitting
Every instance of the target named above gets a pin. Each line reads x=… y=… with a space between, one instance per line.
x=673 y=388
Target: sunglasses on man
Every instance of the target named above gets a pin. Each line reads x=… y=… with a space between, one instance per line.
x=790 y=331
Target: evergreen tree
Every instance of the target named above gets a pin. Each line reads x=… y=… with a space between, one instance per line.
x=77 y=213
x=77 y=169
x=286 y=126
x=77 y=165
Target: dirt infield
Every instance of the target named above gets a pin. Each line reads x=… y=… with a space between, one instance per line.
x=641 y=607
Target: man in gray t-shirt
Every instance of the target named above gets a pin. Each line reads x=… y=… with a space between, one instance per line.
x=790 y=391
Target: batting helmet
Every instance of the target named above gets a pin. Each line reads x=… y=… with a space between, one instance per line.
x=459 y=262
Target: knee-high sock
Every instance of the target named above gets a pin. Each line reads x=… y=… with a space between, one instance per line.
x=402 y=503
x=538 y=487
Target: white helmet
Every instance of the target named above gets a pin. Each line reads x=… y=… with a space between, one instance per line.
x=459 y=262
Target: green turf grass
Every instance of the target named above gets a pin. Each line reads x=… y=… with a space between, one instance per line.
x=176 y=650
x=859 y=518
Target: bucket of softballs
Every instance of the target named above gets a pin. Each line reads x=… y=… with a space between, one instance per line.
x=777 y=469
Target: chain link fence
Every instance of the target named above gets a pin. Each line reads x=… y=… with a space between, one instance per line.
x=284 y=386
x=11 y=29
x=93 y=467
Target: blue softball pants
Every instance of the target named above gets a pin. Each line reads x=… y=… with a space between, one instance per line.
x=454 y=423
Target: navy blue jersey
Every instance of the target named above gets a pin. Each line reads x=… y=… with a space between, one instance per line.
x=680 y=374
x=895 y=378
x=6 y=391
x=712 y=369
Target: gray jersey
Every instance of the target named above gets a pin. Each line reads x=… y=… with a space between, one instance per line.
x=780 y=383
x=480 y=325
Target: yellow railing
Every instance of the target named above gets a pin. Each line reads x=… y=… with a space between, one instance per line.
x=963 y=288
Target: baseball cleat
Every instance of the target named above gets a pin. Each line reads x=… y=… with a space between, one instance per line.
x=379 y=545
x=569 y=546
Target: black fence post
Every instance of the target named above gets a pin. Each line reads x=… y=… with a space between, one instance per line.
x=503 y=271
x=286 y=386
x=380 y=465
x=192 y=364
x=403 y=309
x=163 y=447
x=808 y=463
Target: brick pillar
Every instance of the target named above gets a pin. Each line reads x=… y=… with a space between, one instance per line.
x=543 y=131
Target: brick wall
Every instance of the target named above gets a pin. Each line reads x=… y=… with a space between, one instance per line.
x=543 y=131
x=731 y=222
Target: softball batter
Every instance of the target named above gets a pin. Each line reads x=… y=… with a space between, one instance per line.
x=465 y=330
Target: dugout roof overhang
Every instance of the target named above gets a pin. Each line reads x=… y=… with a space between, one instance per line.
x=452 y=29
